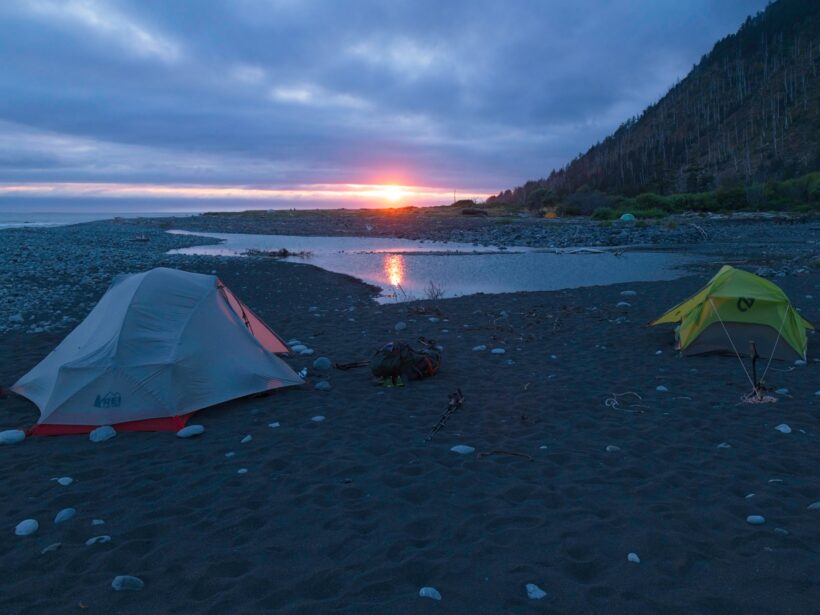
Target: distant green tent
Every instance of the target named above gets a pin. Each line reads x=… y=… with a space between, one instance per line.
x=735 y=308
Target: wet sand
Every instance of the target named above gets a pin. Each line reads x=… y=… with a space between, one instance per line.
x=358 y=512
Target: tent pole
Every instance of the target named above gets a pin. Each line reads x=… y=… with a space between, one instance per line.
x=753 y=353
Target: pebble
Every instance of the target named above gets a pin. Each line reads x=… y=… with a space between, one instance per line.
x=17 y=318
x=659 y=352
x=756 y=519
x=430 y=592
x=97 y=522
x=230 y=454
x=307 y=352
x=482 y=347
x=318 y=418
x=661 y=389
x=783 y=391
x=322 y=364
x=101 y=434
x=817 y=393
x=97 y=539
x=293 y=342
x=65 y=514
x=611 y=448
x=463 y=449
x=26 y=527
x=749 y=496
x=433 y=319
x=190 y=431
x=246 y=439
x=724 y=445
x=800 y=363
x=323 y=385
x=534 y=592
x=12 y=436
x=498 y=351
x=242 y=471
x=623 y=304
x=633 y=557
x=124 y=583
x=400 y=326
x=273 y=425
x=780 y=530
x=815 y=506
x=628 y=293
x=52 y=547
x=64 y=481
x=783 y=428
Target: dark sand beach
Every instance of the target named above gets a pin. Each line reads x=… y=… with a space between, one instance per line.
x=356 y=513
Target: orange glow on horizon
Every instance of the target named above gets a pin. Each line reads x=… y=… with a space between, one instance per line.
x=385 y=194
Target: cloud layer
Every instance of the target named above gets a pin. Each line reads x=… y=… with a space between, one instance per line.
x=278 y=95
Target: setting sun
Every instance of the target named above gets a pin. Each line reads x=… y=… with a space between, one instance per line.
x=393 y=193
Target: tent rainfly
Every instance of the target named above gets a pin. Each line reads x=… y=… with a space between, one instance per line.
x=734 y=308
x=158 y=346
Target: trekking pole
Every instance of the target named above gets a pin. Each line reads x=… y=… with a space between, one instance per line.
x=753 y=353
x=454 y=403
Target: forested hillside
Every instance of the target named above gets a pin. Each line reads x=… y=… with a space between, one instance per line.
x=747 y=113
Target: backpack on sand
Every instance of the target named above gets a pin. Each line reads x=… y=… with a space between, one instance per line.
x=398 y=359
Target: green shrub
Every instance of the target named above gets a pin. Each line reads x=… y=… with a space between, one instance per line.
x=603 y=213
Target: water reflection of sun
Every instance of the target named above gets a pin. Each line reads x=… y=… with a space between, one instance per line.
x=394 y=269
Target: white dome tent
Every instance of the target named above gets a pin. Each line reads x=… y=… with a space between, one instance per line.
x=157 y=347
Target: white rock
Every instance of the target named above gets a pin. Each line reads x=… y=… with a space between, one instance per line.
x=498 y=351
x=633 y=557
x=97 y=539
x=230 y=454
x=64 y=481
x=101 y=434
x=817 y=393
x=242 y=471
x=430 y=592
x=623 y=304
x=749 y=496
x=463 y=449
x=323 y=364
x=482 y=347
x=65 y=515
x=323 y=385
x=12 y=436
x=400 y=326
x=26 y=527
x=659 y=352
x=756 y=519
x=724 y=445
x=800 y=363
x=293 y=342
x=661 y=389
x=318 y=419
x=534 y=592
x=611 y=448
x=307 y=352
x=298 y=347
x=127 y=583
x=97 y=522
x=246 y=439
x=190 y=431
x=52 y=547
x=783 y=428
x=815 y=506
x=273 y=425
x=628 y=293
x=783 y=391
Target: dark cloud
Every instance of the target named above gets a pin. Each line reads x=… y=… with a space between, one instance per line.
x=476 y=94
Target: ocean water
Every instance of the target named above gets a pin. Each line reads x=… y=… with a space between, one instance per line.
x=17 y=219
x=407 y=270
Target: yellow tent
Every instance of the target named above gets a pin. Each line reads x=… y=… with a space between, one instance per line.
x=737 y=307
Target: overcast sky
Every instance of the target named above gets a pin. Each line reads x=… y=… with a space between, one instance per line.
x=293 y=97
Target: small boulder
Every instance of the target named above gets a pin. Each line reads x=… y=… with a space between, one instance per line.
x=127 y=583
x=26 y=527
x=66 y=514
x=101 y=434
x=12 y=436
x=633 y=557
x=783 y=428
x=323 y=364
x=430 y=592
x=756 y=519
x=323 y=385
x=190 y=431
x=534 y=592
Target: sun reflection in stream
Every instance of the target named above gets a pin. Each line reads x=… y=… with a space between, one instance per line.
x=394 y=269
